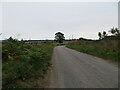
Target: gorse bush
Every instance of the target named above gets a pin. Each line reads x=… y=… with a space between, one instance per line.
x=23 y=61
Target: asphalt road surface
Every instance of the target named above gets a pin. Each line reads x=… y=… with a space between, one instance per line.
x=73 y=69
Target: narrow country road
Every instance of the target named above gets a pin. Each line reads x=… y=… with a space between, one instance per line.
x=73 y=69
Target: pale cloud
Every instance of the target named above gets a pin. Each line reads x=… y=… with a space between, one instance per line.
x=43 y=20
x=59 y=0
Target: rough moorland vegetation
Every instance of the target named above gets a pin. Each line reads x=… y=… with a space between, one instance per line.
x=22 y=61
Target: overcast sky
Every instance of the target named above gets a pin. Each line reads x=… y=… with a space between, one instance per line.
x=41 y=20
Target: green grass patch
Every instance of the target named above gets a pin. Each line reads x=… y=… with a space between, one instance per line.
x=95 y=48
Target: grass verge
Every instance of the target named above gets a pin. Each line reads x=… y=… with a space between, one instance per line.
x=97 y=48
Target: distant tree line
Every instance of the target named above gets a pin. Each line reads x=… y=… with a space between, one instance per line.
x=114 y=31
